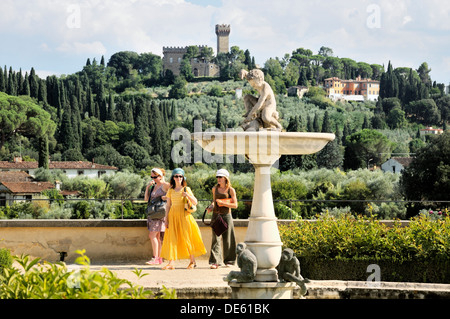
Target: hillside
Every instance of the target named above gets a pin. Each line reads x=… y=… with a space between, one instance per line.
x=123 y=113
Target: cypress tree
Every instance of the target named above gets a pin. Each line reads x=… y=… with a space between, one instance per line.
x=42 y=92
x=34 y=85
x=76 y=122
x=111 y=109
x=316 y=127
x=90 y=105
x=141 y=127
x=43 y=152
x=326 y=126
x=19 y=81
x=2 y=81
x=309 y=125
x=219 y=124
x=173 y=111
x=11 y=83
x=65 y=132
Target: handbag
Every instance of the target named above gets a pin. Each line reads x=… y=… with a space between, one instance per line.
x=219 y=226
x=188 y=207
x=156 y=208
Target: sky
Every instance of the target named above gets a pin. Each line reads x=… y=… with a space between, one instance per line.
x=57 y=37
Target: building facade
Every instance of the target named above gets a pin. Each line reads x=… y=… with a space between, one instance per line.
x=431 y=131
x=352 y=90
x=172 y=56
x=396 y=164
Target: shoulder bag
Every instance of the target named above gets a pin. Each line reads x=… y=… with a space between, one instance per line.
x=156 y=208
x=188 y=207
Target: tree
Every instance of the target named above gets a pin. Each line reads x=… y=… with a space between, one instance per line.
x=389 y=83
x=178 y=89
x=186 y=69
x=366 y=147
x=20 y=115
x=123 y=62
x=325 y=51
x=126 y=185
x=424 y=73
x=424 y=111
x=428 y=175
x=396 y=119
x=443 y=104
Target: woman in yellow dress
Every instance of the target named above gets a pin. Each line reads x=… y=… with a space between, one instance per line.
x=182 y=239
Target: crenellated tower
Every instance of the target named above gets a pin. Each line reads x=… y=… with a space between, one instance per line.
x=223 y=33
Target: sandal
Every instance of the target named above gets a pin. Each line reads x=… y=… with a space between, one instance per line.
x=168 y=266
x=191 y=265
x=214 y=266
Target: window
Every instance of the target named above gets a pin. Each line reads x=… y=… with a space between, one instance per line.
x=100 y=173
x=170 y=60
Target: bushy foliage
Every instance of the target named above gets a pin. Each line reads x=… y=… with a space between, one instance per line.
x=6 y=259
x=347 y=236
x=296 y=193
x=55 y=281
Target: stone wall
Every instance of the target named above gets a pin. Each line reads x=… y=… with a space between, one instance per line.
x=104 y=240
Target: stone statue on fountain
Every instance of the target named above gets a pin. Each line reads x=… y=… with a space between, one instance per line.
x=261 y=112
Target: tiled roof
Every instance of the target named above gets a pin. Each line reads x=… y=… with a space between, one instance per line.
x=15 y=176
x=405 y=161
x=27 y=187
x=55 y=165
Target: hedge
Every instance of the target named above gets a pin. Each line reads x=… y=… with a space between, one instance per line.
x=342 y=247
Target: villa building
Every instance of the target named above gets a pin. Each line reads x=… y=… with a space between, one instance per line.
x=352 y=90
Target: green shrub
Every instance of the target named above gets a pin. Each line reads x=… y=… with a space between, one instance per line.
x=342 y=246
x=352 y=237
x=55 y=281
x=5 y=258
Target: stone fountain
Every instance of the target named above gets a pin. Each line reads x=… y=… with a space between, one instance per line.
x=262 y=143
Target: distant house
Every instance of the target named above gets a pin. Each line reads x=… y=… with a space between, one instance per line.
x=431 y=130
x=297 y=91
x=396 y=164
x=352 y=90
x=19 y=186
x=71 y=169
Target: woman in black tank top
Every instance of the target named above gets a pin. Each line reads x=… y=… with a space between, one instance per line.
x=223 y=247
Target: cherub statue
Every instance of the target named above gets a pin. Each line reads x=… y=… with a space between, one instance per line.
x=261 y=112
x=247 y=262
x=289 y=270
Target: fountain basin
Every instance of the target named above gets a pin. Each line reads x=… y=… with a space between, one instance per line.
x=262 y=146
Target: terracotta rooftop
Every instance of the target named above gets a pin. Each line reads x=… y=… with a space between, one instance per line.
x=55 y=165
x=405 y=161
x=15 y=176
x=27 y=187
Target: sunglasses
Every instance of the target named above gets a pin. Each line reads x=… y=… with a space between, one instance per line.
x=154 y=177
x=177 y=176
x=219 y=176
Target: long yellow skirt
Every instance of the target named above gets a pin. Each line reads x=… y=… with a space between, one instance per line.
x=182 y=238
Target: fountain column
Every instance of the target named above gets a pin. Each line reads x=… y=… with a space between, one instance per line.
x=263 y=149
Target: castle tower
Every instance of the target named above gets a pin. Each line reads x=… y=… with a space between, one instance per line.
x=223 y=33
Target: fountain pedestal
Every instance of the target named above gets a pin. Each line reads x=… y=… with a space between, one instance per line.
x=263 y=149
